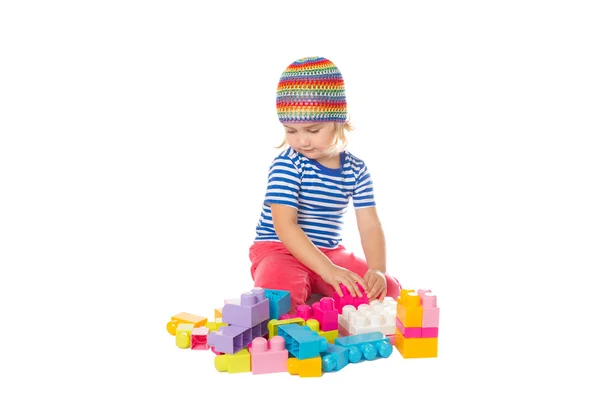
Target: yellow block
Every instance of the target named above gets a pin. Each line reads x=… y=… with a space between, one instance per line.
x=416 y=347
x=314 y=325
x=185 y=318
x=409 y=310
x=233 y=363
x=307 y=368
x=273 y=324
x=214 y=326
x=183 y=335
x=218 y=313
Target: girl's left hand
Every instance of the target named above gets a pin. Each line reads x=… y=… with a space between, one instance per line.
x=376 y=284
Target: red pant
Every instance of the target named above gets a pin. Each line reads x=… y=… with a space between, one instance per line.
x=274 y=267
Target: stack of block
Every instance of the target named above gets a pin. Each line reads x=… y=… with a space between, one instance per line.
x=417 y=324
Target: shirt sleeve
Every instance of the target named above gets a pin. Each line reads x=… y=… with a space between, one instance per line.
x=284 y=183
x=363 y=196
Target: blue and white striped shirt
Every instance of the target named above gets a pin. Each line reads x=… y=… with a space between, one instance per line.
x=320 y=194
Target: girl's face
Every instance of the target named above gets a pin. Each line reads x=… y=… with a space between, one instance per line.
x=313 y=140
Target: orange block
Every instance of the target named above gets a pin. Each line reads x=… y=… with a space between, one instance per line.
x=185 y=318
x=416 y=347
x=307 y=368
x=409 y=310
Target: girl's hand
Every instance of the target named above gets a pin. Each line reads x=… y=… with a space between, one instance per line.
x=376 y=285
x=334 y=275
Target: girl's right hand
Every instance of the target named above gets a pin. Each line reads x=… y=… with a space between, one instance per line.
x=334 y=275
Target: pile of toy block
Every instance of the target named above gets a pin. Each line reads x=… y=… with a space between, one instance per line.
x=256 y=334
x=417 y=324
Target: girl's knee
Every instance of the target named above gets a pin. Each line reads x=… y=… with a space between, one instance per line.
x=393 y=287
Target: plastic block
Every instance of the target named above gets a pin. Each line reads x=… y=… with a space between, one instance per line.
x=252 y=310
x=347 y=299
x=303 y=311
x=185 y=318
x=233 y=363
x=302 y=342
x=431 y=312
x=335 y=358
x=409 y=310
x=215 y=325
x=392 y=339
x=306 y=368
x=219 y=313
x=274 y=324
x=416 y=347
x=324 y=311
x=200 y=338
x=314 y=326
x=415 y=332
x=373 y=317
x=268 y=356
x=342 y=332
x=429 y=332
x=231 y=339
x=279 y=302
x=368 y=346
x=183 y=334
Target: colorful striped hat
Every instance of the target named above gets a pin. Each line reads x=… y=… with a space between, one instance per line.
x=311 y=89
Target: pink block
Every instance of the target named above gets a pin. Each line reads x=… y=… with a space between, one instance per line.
x=412 y=332
x=268 y=357
x=304 y=311
x=392 y=339
x=347 y=299
x=326 y=314
x=199 y=338
x=429 y=332
x=431 y=312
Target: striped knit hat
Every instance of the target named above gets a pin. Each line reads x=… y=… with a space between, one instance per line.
x=311 y=89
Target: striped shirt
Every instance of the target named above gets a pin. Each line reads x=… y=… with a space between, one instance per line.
x=320 y=194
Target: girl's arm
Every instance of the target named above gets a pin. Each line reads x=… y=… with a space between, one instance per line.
x=371 y=237
x=285 y=221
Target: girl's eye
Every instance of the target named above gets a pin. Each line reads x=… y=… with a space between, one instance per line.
x=290 y=132
x=314 y=131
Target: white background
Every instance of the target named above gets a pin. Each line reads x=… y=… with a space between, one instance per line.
x=135 y=142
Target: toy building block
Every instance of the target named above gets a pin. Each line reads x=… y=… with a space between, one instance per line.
x=185 y=318
x=268 y=356
x=416 y=347
x=182 y=335
x=414 y=332
x=314 y=325
x=431 y=312
x=233 y=363
x=347 y=299
x=302 y=342
x=325 y=312
x=392 y=339
x=373 y=317
x=409 y=310
x=232 y=338
x=306 y=368
x=200 y=338
x=366 y=345
x=335 y=358
x=279 y=302
x=218 y=312
x=215 y=325
x=252 y=310
x=274 y=324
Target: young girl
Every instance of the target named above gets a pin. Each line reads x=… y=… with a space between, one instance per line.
x=298 y=243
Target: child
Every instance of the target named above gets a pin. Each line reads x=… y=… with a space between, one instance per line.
x=297 y=245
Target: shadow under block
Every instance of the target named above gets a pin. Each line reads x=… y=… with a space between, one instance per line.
x=409 y=310
x=252 y=310
x=279 y=302
x=268 y=357
x=233 y=363
x=416 y=347
x=185 y=318
x=306 y=368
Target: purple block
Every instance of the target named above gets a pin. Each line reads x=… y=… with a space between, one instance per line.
x=252 y=310
x=230 y=339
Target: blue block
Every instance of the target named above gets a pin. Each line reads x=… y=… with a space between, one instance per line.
x=335 y=358
x=302 y=342
x=366 y=345
x=279 y=302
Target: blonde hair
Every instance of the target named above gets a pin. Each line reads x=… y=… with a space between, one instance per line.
x=341 y=141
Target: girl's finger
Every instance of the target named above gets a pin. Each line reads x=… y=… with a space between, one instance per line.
x=338 y=289
x=354 y=287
